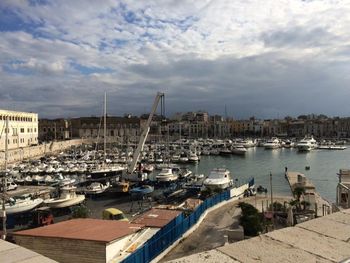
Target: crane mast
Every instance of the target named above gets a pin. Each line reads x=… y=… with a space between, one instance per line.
x=144 y=133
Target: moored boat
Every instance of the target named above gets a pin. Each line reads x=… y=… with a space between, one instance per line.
x=219 y=178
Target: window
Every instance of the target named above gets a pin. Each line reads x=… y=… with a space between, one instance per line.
x=22 y=130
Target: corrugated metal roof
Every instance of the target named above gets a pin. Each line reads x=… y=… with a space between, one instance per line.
x=156 y=217
x=85 y=229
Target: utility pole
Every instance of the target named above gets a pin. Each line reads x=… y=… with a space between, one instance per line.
x=272 y=210
x=4 y=183
x=105 y=127
x=271 y=190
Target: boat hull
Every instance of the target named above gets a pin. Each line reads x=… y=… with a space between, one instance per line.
x=61 y=203
x=23 y=207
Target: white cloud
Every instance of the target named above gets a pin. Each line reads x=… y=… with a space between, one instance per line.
x=218 y=47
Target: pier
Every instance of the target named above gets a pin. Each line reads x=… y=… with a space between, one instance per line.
x=317 y=203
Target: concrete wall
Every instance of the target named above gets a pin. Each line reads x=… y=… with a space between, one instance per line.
x=65 y=250
x=239 y=190
x=20 y=154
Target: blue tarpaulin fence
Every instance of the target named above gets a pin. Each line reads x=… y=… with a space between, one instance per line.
x=173 y=231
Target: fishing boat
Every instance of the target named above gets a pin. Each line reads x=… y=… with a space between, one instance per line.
x=218 y=178
x=21 y=204
x=68 y=197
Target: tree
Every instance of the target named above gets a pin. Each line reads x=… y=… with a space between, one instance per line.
x=80 y=211
x=298 y=192
x=250 y=220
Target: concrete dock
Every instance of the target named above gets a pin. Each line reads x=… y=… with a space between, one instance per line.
x=296 y=179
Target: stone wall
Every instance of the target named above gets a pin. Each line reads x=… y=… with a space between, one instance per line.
x=37 y=151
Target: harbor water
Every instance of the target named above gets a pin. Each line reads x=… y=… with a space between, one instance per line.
x=258 y=163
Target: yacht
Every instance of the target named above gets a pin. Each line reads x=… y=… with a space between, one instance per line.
x=288 y=144
x=273 y=143
x=218 y=178
x=248 y=143
x=68 y=197
x=307 y=144
x=167 y=175
x=239 y=150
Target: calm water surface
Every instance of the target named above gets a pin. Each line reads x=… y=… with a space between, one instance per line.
x=258 y=163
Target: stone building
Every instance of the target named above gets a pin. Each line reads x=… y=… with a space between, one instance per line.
x=118 y=128
x=57 y=129
x=22 y=129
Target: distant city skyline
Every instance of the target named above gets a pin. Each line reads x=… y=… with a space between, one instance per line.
x=266 y=59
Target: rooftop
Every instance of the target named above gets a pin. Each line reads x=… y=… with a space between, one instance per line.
x=85 y=229
x=13 y=253
x=325 y=239
x=156 y=217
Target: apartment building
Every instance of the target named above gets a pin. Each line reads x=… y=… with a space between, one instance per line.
x=22 y=129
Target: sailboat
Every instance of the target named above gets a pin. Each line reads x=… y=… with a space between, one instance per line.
x=103 y=171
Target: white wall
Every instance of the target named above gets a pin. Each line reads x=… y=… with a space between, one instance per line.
x=239 y=190
x=23 y=129
x=113 y=249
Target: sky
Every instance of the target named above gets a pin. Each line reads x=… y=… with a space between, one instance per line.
x=267 y=59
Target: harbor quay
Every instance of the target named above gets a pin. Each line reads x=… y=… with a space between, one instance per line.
x=172 y=199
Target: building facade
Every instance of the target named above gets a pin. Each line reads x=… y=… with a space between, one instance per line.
x=57 y=129
x=22 y=129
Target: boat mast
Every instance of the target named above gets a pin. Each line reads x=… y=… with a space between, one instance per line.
x=4 y=183
x=105 y=127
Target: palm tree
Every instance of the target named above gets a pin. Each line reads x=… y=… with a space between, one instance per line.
x=298 y=192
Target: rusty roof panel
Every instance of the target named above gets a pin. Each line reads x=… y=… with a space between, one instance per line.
x=85 y=229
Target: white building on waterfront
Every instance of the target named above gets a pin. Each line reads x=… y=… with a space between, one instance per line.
x=22 y=129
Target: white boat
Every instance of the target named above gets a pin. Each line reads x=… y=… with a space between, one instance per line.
x=96 y=188
x=273 y=143
x=166 y=175
x=248 y=143
x=183 y=158
x=225 y=151
x=68 y=197
x=239 y=150
x=218 y=178
x=288 y=144
x=307 y=144
x=20 y=205
x=193 y=157
x=331 y=147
